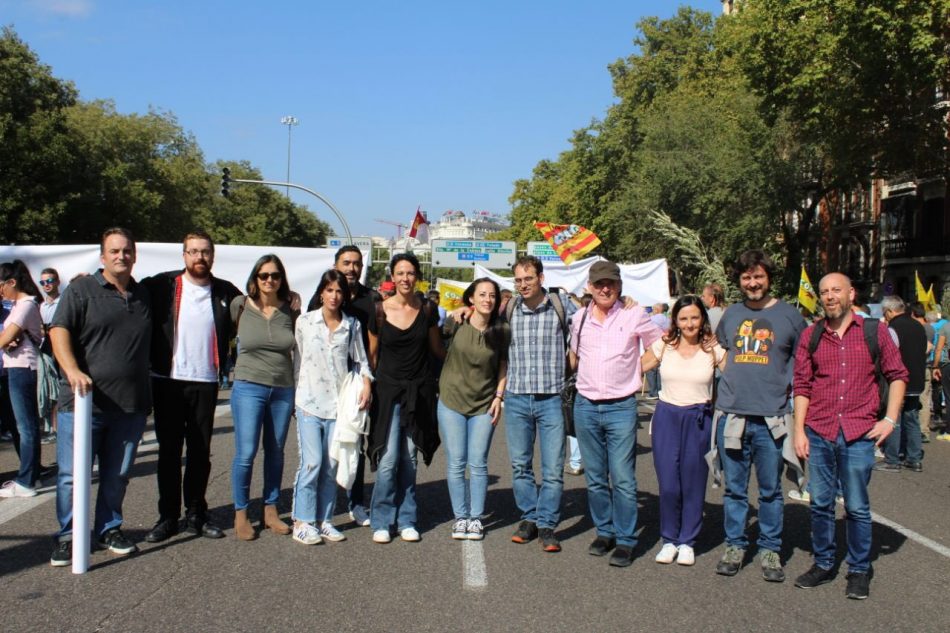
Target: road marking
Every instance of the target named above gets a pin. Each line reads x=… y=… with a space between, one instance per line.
x=909 y=533
x=10 y=510
x=474 y=575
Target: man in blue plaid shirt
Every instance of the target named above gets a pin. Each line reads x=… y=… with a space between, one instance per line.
x=536 y=364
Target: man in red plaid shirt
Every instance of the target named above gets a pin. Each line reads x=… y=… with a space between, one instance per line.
x=836 y=428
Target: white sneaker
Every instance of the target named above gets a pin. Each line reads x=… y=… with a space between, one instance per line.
x=13 y=489
x=330 y=533
x=799 y=495
x=460 y=529
x=307 y=534
x=475 y=530
x=382 y=536
x=409 y=534
x=360 y=516
x=667 y=554
x=685 y=555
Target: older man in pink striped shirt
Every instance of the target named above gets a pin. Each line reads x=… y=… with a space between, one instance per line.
x=605 y=349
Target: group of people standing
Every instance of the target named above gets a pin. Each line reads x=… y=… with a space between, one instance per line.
x=726 y=378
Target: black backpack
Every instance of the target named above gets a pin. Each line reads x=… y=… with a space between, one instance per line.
x=870 y=339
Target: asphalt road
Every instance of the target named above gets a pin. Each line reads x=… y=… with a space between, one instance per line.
x=274 y=583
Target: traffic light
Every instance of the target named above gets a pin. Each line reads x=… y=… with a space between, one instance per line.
x=225 y=182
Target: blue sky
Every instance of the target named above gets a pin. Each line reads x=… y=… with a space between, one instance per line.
x=400 y=104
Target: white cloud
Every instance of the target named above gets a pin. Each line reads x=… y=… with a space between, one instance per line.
x=65 y=8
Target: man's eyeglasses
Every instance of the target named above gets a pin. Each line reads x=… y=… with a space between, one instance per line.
x=48 y=282
x=271 y=276
x=194 y=252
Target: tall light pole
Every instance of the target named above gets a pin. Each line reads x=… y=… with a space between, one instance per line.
x=290 y=122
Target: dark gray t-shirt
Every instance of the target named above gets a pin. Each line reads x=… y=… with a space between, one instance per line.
x=110 y=336
x=760 y=347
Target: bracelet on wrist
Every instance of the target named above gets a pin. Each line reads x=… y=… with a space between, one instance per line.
x=889 y=419
x=500 y=395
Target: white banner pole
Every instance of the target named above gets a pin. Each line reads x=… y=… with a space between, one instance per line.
x=82 y=479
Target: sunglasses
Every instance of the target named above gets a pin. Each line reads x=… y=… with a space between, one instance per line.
x=48 y=282
x=271 y=276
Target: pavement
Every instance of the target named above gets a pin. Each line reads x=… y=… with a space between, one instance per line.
x=195 y=584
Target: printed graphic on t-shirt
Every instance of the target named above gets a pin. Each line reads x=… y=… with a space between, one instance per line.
x=753 y=341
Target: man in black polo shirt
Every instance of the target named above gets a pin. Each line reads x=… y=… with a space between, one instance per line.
x=349 y=262
x=100 y=335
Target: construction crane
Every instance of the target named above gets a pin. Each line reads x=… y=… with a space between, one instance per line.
x=399 y=226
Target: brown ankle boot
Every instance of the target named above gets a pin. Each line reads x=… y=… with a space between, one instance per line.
x=242 y=527
x=273 y=523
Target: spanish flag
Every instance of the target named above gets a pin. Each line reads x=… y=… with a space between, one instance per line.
x=569 y=241
x=806 y=293
x=420 y=228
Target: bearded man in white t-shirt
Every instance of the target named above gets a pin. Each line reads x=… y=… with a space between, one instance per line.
x=186 y=362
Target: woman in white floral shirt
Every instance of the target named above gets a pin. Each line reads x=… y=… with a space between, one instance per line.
x=327 y=341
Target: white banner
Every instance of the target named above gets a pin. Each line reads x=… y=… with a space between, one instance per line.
x=233 y=263
x=648 y=282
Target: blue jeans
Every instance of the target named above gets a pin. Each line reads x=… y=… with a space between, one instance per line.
x=22 y=381
x=906 y=439
x=466 y=439
x=575 y=449
x=115 y=438
x=607 y=435
x=394 y=493
x=850 y=463
x=527 y=415
x=315 y=484
x=761 y=450
x=257 y=408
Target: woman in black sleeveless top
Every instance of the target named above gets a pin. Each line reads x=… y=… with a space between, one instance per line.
x=403 y=417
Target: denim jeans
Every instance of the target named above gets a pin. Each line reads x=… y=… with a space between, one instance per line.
x=850 y=463
x=256 y=408
x=115 y=438
x=527 y=415
x=761 y=450
x=607 y=435
x=315 y=484
x=466 y=439
x=22 y=381
x=394 y=493
x=907 y=438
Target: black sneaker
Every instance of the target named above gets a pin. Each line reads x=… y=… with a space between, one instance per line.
x=527 y=531
x=549 y=542
x=62 y=555
x=858 y=585
x=601 y=545
x=164 y=529
x=116 y=542
x=814 y=577
x=622 y=556
x=917 y=467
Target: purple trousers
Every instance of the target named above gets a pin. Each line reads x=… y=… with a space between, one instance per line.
x=680 y=440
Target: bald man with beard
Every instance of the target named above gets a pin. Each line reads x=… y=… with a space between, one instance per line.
x=837 y=428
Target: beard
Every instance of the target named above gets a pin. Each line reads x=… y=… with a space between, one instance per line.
x=199 y=270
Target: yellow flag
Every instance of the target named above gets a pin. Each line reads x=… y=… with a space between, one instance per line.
x=930 y=304
x=921 y=293
x=569 y=241
x=806 y=294
x=422 y=286
x=450 y=293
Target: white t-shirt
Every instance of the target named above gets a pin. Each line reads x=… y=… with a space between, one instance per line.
x=193 y=358
x=48 y=309
x=686 y=381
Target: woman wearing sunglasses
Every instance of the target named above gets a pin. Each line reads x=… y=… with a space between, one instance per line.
x=20 y=340
x=262 y=398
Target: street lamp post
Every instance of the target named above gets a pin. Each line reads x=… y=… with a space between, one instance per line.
x=290 y=122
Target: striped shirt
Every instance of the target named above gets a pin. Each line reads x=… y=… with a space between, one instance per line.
x=536 y=355
x=609 y=354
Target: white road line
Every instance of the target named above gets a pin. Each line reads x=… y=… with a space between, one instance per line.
x=909 y=533
x=474 y=575
x=10 y=509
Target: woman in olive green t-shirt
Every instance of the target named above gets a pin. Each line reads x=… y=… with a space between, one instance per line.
x=471 y=389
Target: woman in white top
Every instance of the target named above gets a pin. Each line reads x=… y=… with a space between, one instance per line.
x=687 y=358
x=328 y=341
